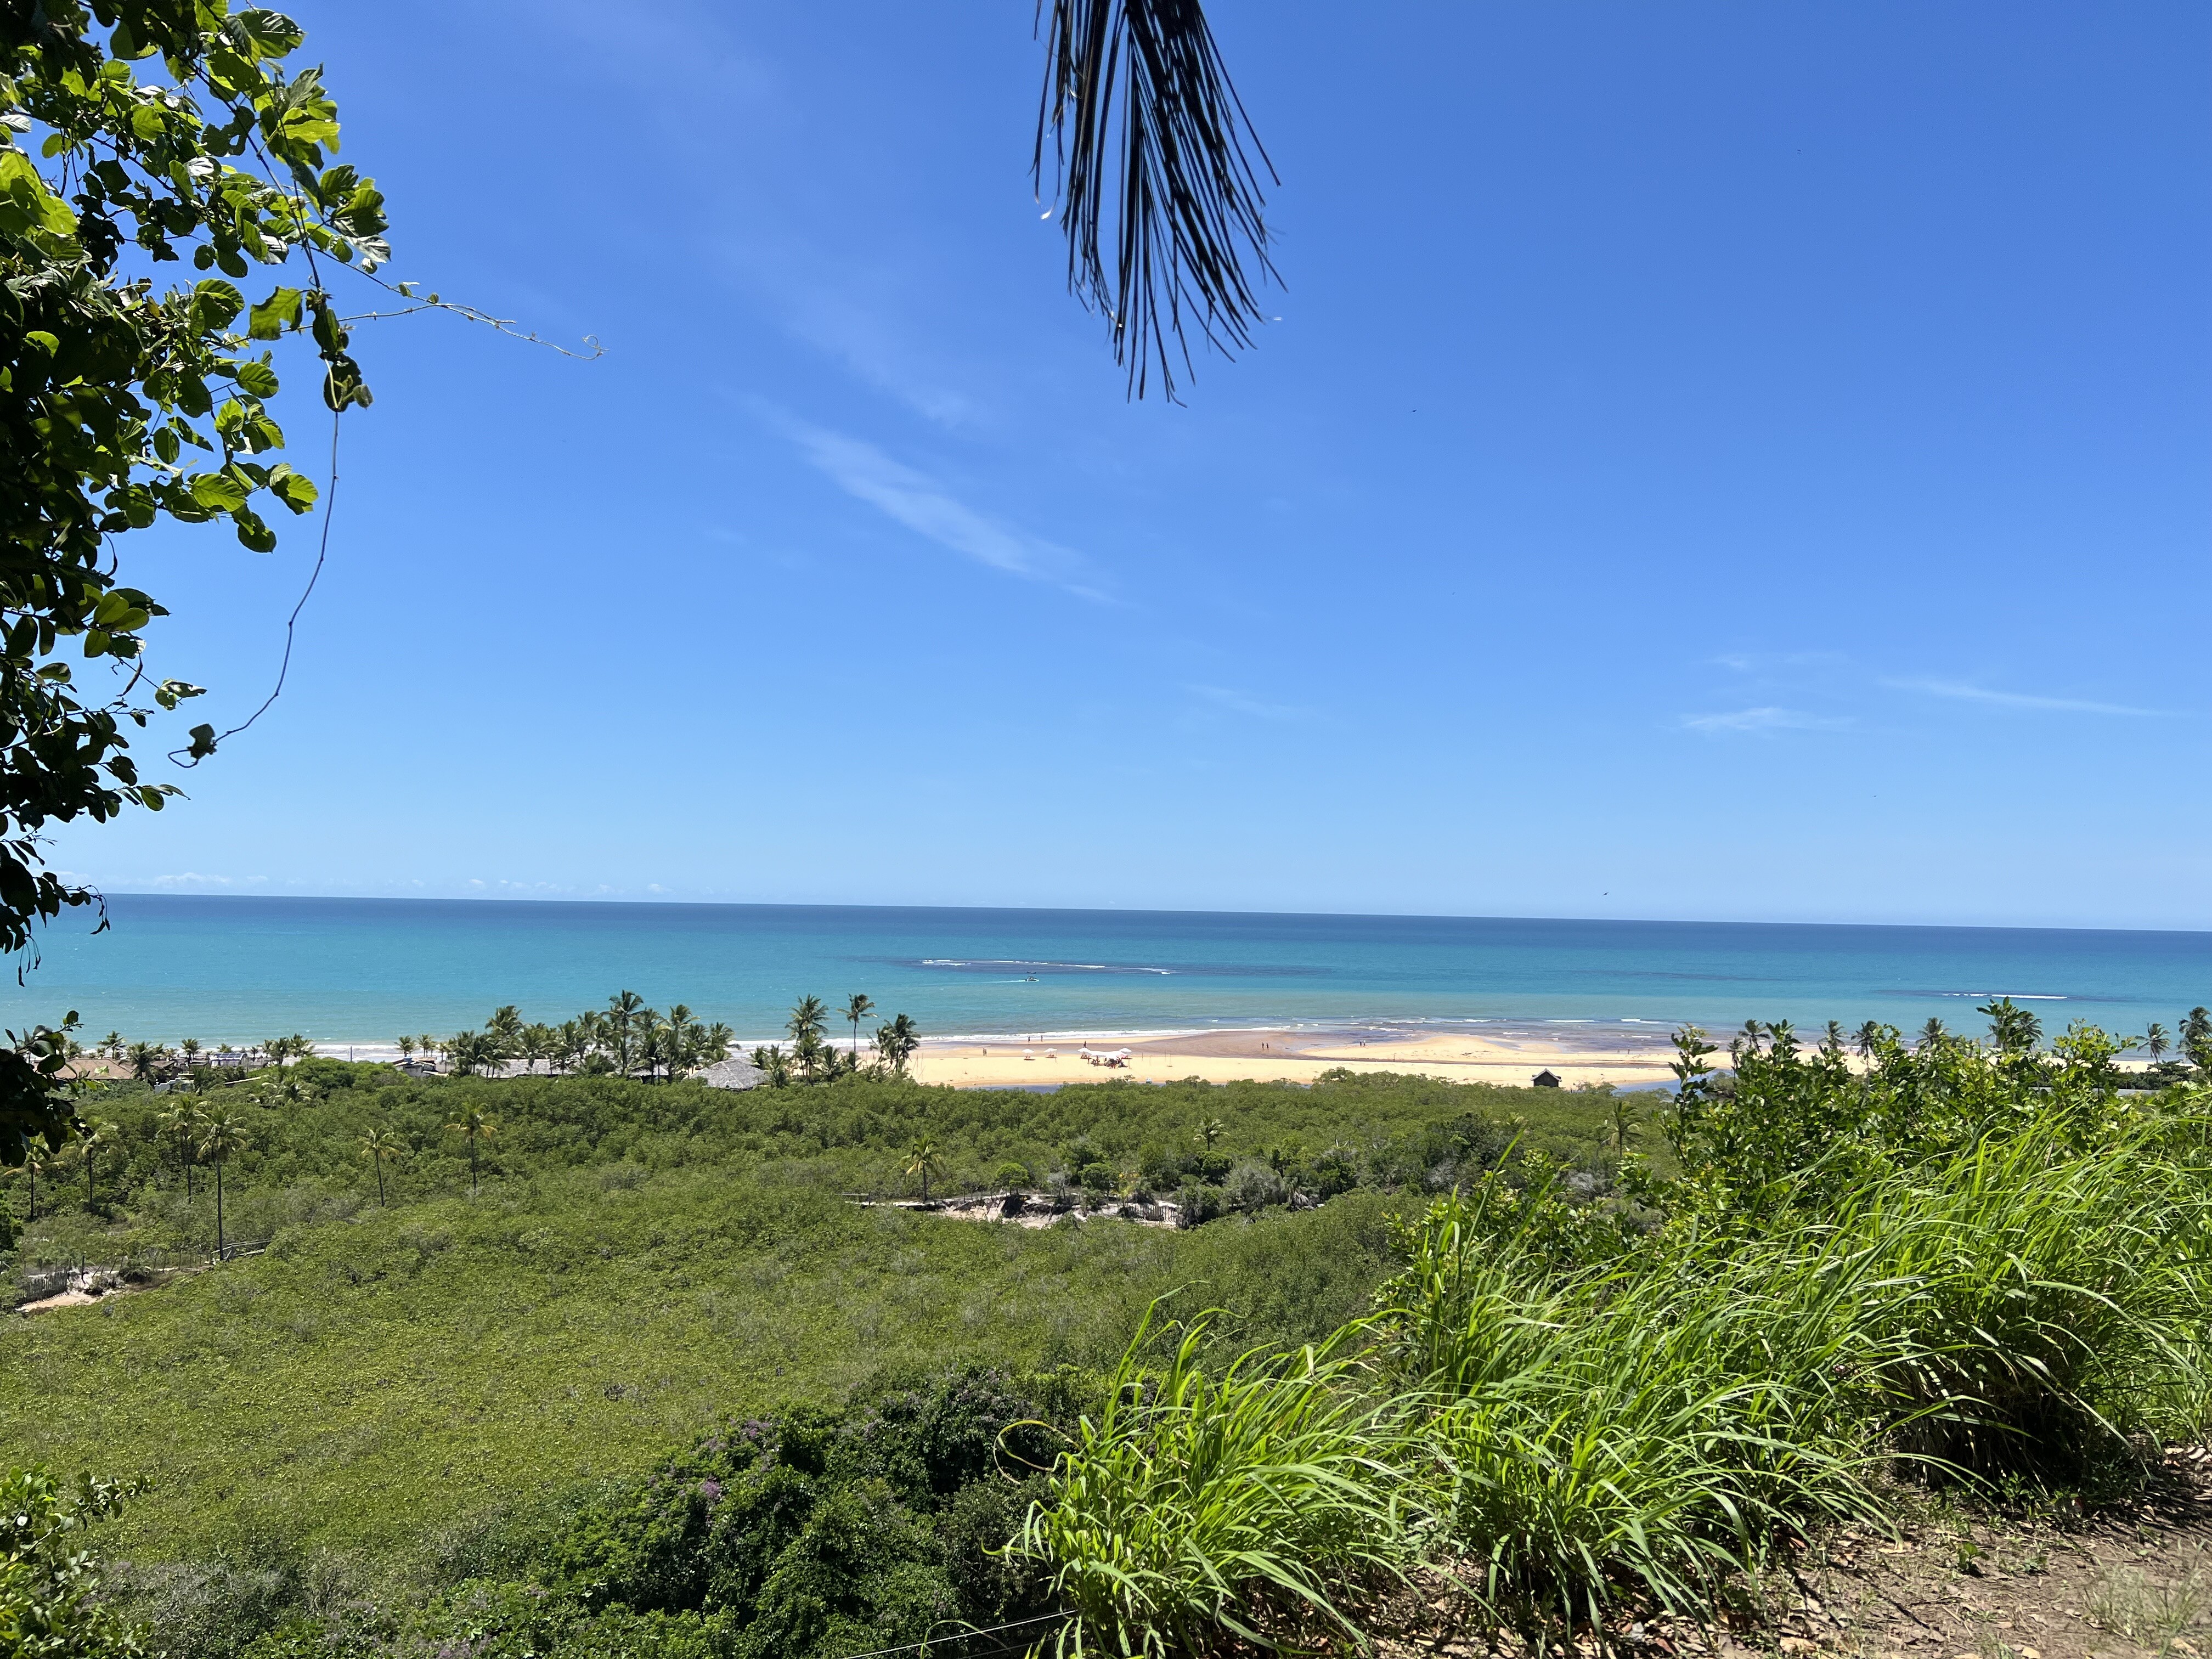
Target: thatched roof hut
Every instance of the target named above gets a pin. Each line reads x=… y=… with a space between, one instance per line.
x=731 y=1073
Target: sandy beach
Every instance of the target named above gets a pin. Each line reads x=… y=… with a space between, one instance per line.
x=1511 y=1056
x=1507 y=1052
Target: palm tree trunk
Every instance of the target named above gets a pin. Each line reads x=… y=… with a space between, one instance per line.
x=473 y=1168
x=379 y=1182
x=87 y=1177
x=34 y=1174
x=219 y=1250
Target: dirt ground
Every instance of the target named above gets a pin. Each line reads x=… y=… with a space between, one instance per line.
x=2131 y=1583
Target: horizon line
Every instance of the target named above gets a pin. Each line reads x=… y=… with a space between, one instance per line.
x=489 y=899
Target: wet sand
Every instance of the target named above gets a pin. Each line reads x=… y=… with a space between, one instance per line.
x=1508 y=1055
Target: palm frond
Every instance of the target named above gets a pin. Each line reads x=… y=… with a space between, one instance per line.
x=1158 y=172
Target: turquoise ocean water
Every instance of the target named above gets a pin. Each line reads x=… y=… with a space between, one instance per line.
x=363 y=970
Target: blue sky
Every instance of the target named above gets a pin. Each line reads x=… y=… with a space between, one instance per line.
x=1716 y=461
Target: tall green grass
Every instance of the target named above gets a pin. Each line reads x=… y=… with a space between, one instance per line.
x=1266 y=1498
x=1579 y=1419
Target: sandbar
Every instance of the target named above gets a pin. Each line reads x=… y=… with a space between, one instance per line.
x=1511 y=1056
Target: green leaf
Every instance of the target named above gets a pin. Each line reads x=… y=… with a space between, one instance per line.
x=253 y=531
x=215 y=303
x=257 y=378
x=328 y=335
x=288 y=487
x=45 y=342
x=274 y=314
x=273 y=34
x=218 y=492
x=363 y=214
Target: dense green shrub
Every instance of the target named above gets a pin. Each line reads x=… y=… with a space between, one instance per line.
x=824 y=1531
x=50 y=1577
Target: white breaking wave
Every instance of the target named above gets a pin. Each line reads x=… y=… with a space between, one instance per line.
x=1061 y=967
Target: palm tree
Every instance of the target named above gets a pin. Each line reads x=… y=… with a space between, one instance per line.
x=180 y=1127
x=1209 y=1131
x=427 y=1044
x=807 y=1014
x=2196 y=1038
x=220 y=1135
x=857 y=1008
x=95 y=1136
x=111 y=1045
x=472 y=1052
x=1868 y=1037
x=571 y=1043
x=2012 y=1028
x=1932 y=1034
x=475 y=1128
x=1142 y=122
x=190 y=1048
x=376 y=1145
x=623 y=1011
x=806 y=1052
x=686 y=1043
x=534 y=1043
x=922 y=1159
x=1833 y=1042
x=406 y=1047
x=145 y=1063
x=32 y=1162
x=1624 y=1124
x=896 y=1041
x=2156 y=1042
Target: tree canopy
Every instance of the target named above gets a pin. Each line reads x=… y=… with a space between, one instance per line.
x=136 y=134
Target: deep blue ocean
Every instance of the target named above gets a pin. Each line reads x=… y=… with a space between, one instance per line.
x=363 y=970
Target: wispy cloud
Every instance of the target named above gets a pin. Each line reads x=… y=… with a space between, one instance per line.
x=1768 y=662
x=925 y=506
x=1766 y=719
x=864 y=334
x=1964 y=692
x=1238 y=702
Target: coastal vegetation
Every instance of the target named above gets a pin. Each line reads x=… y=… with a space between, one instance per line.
x=813 y=1058
x=633 y=1393
x=401 y=1391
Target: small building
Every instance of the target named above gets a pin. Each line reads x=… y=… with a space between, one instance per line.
x=1546 y=1079
x=731 y=1073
